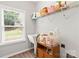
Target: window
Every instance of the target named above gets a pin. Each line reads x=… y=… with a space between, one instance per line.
x=12 y=25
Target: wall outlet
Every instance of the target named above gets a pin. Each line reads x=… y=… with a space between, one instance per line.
x=62 y=45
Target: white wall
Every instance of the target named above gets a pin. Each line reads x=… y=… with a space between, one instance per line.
x=66 y=27
x=28 y=7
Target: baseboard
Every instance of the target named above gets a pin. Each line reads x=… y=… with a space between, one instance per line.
x=12 y=54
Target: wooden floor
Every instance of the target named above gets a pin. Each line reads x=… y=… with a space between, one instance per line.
x=27 y=54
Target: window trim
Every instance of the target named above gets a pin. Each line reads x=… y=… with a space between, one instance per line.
x=11 y=42
x=2 y=26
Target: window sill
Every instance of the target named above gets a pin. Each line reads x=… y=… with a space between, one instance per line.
x=11 y=42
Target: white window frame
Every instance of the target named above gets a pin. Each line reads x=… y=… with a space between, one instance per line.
x=3 y=26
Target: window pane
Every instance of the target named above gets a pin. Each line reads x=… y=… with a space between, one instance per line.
x=13 y=33
x=11 y=18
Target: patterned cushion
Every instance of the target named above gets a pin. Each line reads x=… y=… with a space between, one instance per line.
x=48 y=39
